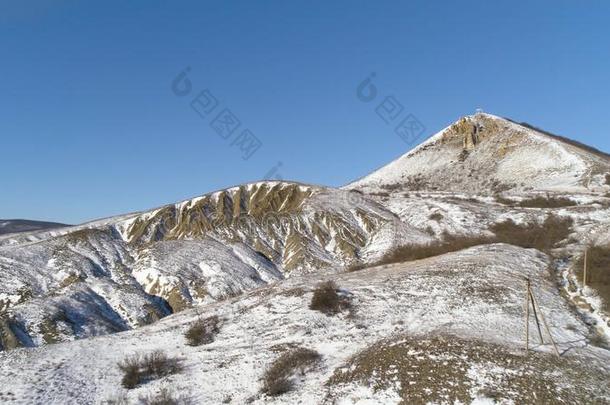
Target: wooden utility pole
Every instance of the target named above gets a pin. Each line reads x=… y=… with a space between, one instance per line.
x=529 y=291
x=527 y=314
x=584 y=272
x=529 y=298
x=535 y=303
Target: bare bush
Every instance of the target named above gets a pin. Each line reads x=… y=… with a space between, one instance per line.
x=391 y=187
x=119 y=399
x=450 y=243
x=278 y=376
x=608 y=179
x=504 y=201
x=547 y=202
x=543 y=236
x=598 y=271
x=138 y=369
x=327 y=300
x=436 y=216
x=164 y=397
x=532 y=235
x=203 y=331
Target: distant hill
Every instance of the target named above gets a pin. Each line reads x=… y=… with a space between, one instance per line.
x=24 y=225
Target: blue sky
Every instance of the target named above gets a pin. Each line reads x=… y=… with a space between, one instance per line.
x=91 y=126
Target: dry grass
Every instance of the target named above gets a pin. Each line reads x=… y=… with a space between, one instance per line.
x=504 y=201
x=547 y=202
x=598 y=271
x=449 y=243
x=202 y=331
x=278 y=377
x=119 y=399
x=327 y=300
x=533 y=235
x=435 y=369
x=164 y=397
x=543 y=237
x=138 y=369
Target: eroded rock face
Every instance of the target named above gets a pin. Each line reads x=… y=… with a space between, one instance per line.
x=220 y=212
x=278 y=220
x=278 y=228
x=132 y=271
x=9 y=331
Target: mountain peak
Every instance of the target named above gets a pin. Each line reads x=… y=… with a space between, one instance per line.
x=486 y=153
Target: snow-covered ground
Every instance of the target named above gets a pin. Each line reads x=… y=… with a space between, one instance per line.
x=447 y=329
x=476 y=295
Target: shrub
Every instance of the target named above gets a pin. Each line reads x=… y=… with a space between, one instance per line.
x=436 y=216
x=277 y=378
x=131 y=367
x=449 y=243
x=533 y=235
x=543 y=236
x=119 y=399
x=202 y=331
x=547 y=202
x=358 y=265
x=326 y=299
x=598 y=271
x=608 y=179
x=391 y=187
x=164 y=397
x=505 y=201
x=463 y=155
x=138 y=369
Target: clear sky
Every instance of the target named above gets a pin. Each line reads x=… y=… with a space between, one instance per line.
x=92 y=123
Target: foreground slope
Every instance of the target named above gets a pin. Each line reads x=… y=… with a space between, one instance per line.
x=454 y=324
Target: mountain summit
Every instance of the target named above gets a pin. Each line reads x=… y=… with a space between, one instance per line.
x=484 y=153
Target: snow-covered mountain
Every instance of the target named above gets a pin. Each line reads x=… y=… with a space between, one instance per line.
x=75 y=300
x=22 y=225
x=124 y=272
x=484 y=154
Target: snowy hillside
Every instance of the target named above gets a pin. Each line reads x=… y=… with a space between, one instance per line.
x=459 y=314
x=429 y=257
x=116 y=274
x=485 y=154
x=20 y=225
